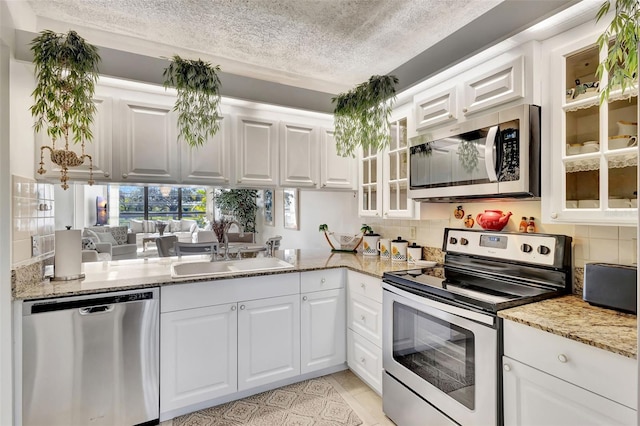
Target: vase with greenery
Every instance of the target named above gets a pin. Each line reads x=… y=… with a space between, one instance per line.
x=361 y=115
x=66 y=71
x=620 y=39
x=198 y=103
x=241 y=204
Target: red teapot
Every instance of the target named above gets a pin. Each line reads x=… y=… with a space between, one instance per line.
x=493 y=220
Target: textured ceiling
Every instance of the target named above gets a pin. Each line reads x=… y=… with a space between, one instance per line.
x=330 y=43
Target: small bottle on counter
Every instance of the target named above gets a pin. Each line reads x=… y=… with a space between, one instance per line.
x=523 y=224
x=531 y=227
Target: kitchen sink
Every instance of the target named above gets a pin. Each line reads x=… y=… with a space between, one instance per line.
x=227 y=267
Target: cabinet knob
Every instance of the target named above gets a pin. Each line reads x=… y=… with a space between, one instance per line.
x=233 y=308
x=304 y=298
x=506 y=367
x=242 y=307
x=323 y=280
x=362 y=285
x=562 y=358
x=450 y=115
x=324 y=185
x=554 y=215
x=313 y=183
x=107 y=174
x=363 y=318
x=465 y=110
x=363 y=360
x=124 y=176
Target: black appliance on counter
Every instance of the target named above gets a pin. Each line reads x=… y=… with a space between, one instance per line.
x=442 y=338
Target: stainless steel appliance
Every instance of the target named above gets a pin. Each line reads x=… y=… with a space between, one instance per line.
x=91 y=360
x=442 y=339
x=496 y=155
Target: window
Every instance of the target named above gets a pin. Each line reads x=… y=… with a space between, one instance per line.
x=159 y=203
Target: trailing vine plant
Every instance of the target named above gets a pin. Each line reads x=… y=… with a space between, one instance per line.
x=198 y=102
x=241 y=204
x=621 y=62
x=362 y=115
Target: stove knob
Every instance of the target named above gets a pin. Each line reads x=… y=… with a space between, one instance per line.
x=544 y=250
x=464 y=241
x=453 y=240
x=526 y=248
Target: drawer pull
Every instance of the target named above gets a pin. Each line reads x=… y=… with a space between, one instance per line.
x=242 y=307
x=363 y=318
x=363 y=285
x=562 y=358
x=323 y=280
x=233 y=308
x=304 y=298
x=363 y=360
x=506 y=367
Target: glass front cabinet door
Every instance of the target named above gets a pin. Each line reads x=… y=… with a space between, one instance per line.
x=592 y=146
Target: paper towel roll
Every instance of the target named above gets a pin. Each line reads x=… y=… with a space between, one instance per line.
x=68 y=257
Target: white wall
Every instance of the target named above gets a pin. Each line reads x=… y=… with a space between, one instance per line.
x=339 y=210
x=23 y=159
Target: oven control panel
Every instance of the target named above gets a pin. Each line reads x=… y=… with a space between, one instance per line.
x=539 y=249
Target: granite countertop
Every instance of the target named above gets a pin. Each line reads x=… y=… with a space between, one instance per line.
x=140 y=273
x=575 y=319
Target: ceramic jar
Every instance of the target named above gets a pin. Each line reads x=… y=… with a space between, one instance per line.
x=370 y=244
x=627 y=128
x=384 y=247
x=399 y=249
x=414 y=252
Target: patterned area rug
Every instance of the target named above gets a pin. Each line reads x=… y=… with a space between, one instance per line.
x=310 y=403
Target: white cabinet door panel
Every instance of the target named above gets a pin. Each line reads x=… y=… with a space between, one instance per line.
x=502 y=84
x=365 y=318
x=365 y=359
x=299 y=155
x=323 y=336
x=268 y=340
x=149 y=147
x=435 y=109
x=198 y=355
x=257 y=152
x=335 y=171
x=210 y=163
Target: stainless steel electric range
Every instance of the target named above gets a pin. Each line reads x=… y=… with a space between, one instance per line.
x=442 y=338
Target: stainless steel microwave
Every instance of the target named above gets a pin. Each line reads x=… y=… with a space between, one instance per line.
x=493 y=156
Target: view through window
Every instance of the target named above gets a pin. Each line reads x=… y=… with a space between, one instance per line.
x=161 y=203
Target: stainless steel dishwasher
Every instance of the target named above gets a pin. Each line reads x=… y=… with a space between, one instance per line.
x=91 y=360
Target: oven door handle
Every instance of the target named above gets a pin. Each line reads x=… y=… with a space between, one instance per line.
x=451 y=309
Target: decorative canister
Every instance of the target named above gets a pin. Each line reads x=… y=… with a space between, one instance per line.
x=399 y=249
x=414 y=252
x=384 y=247
x=370 y=244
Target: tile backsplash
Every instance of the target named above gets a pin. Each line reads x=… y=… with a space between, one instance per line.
x=33 y=220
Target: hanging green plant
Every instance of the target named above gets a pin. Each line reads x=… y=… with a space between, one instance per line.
x=362 y=115
x=621 y=40
x=198 y=102
x=241 y=204
x=66 y=70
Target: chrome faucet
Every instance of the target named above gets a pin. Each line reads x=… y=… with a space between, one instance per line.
x=225 y=235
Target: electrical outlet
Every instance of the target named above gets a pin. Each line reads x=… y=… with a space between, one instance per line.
x=35 y=246
x=412 y=232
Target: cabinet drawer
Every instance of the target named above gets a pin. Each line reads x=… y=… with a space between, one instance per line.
x=365 y=285
x=364 y=316
x=365 y=359
x=604 y=373
x=327 y=279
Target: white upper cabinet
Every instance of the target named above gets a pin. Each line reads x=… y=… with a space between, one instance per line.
x=148 y=150
x=501 y=84
x=336 y=172
x=99 y=149
x=298 y=155
x=257 y=152
x=434 y=109
x=590 y=158
x=210 y=163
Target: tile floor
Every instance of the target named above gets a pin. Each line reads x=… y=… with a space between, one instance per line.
x=365 y=402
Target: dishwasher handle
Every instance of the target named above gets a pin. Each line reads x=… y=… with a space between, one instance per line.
x=96 y=309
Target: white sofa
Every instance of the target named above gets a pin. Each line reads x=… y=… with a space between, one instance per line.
x=114 y=240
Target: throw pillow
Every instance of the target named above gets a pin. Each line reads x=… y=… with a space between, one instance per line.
x=119 y=234
x=149 y=225
x=186 y=224
x=193 y=228
x=88 y=244
x=106 y=237
x=90 y=233
x=174 y=226
x=136 y=226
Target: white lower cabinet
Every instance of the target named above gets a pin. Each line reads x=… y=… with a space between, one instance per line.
x=364 y=322
x=199 y=355
x=551 y=380
x=268 y=340
x=323 y=322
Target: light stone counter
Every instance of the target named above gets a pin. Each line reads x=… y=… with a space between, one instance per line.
x=575 y=319
x=140 y=273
